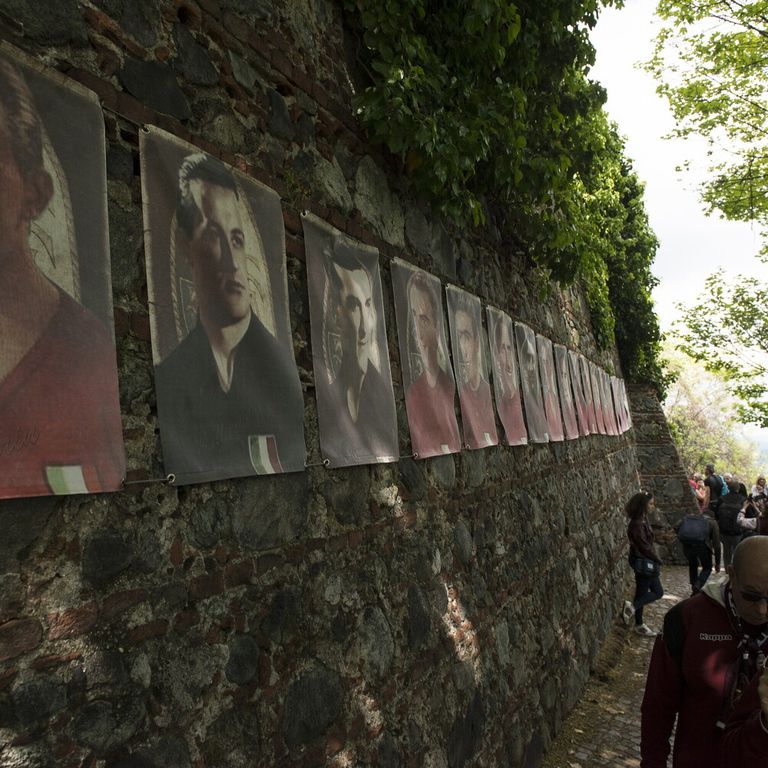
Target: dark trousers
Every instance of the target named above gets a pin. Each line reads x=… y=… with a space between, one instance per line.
x=698 y=555
x=647 y=589
x=729 y=544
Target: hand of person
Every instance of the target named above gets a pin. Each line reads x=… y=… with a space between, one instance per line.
x=762 y=692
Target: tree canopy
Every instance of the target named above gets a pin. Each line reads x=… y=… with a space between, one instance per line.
x=727 y=331
x=489 y=107
x=710 y=59
x=702 y=417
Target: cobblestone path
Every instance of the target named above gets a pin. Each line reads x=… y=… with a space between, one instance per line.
x=603 y=731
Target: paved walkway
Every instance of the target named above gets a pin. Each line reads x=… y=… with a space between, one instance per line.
x=604 y=729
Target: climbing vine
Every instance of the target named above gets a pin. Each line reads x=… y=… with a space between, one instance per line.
x=488 y=103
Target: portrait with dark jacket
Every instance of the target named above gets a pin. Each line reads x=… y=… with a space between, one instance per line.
x=229 y=399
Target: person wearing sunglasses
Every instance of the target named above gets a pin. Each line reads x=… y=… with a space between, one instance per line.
x=712 y=646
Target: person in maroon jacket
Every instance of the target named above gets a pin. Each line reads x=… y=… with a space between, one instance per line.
x=644 y=561
x=710 y=649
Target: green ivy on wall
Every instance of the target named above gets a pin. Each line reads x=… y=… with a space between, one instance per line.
x=488 y=102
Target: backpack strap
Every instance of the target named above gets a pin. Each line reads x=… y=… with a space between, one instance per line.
x=674 y=633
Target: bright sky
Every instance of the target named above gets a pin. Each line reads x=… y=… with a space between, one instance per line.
x=692 y=244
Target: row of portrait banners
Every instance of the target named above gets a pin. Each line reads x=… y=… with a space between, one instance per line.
x=229 y=399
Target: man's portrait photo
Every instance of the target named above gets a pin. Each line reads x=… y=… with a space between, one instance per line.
x=589 y=395
x=578 y=393
x=609 y=412
x=597 y=399
x=430 y=389
x=617 y=388
x=229 y=400
x=506 y=382
x=469 y=353
x=549 y=388
x=60 y=428
x=533 y=401
x=353 y=380
x=567 y=404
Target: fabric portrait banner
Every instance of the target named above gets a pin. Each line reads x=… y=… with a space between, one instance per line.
x=468 y=343
x=229 y=400
x=609 y=410
x=618 y=401
x=506 y=380
x=589 y=395
x=578 y=391
x=353 y=380
x=549 y=388
x=625 y=404
x=617 y=405
x=60 y=428
x=601 y=379
x=566 y=393
x=597 y=398
x=533 y=400
x=430 y=389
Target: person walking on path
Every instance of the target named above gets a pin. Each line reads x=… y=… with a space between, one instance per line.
x=709 y=650
x=699 y=490
x=644 y=561
x=755 y=520
x=699 y=536
x=714 y=485
x=727 y=511
x=759 y=489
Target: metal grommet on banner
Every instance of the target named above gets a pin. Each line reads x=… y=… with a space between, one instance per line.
x=144 y=128
x=326 y=463
x=167 y=480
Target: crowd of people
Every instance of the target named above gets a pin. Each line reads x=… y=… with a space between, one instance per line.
x=705 y=680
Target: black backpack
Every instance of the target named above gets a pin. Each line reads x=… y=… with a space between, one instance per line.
x=727 y=512
x=694 y=529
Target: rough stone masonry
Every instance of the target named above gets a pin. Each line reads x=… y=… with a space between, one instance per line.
x=437 y=613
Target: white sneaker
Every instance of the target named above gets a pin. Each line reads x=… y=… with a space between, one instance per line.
x=645 y=630
x=627 y=612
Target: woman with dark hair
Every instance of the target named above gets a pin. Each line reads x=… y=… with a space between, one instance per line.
x=60 y=429
x=644 y=561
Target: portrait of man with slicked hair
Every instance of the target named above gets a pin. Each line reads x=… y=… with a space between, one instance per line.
x=229 y=400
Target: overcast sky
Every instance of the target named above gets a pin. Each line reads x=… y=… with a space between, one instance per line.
x=692 y=244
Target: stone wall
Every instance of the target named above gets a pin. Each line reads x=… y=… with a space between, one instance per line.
x=660 y=470
x=437 y=613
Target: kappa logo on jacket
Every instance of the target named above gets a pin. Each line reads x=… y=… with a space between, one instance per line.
x=715 y=638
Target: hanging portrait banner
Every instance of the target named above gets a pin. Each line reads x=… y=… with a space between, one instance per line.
x=589 y=395
x=625 y=403
x=621 y=405
x=353 y=380
x=469 y=345
x=533 y=400
x=617 y=405
x=506 y=379
x=549 y=388
x=597 y=398
x=609 y=410
x=567 y=403
x=428 y=382
x=229 y=400
x=60 y=427
x=578 y=391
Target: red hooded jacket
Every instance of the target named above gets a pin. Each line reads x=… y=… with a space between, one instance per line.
x=694 y=690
